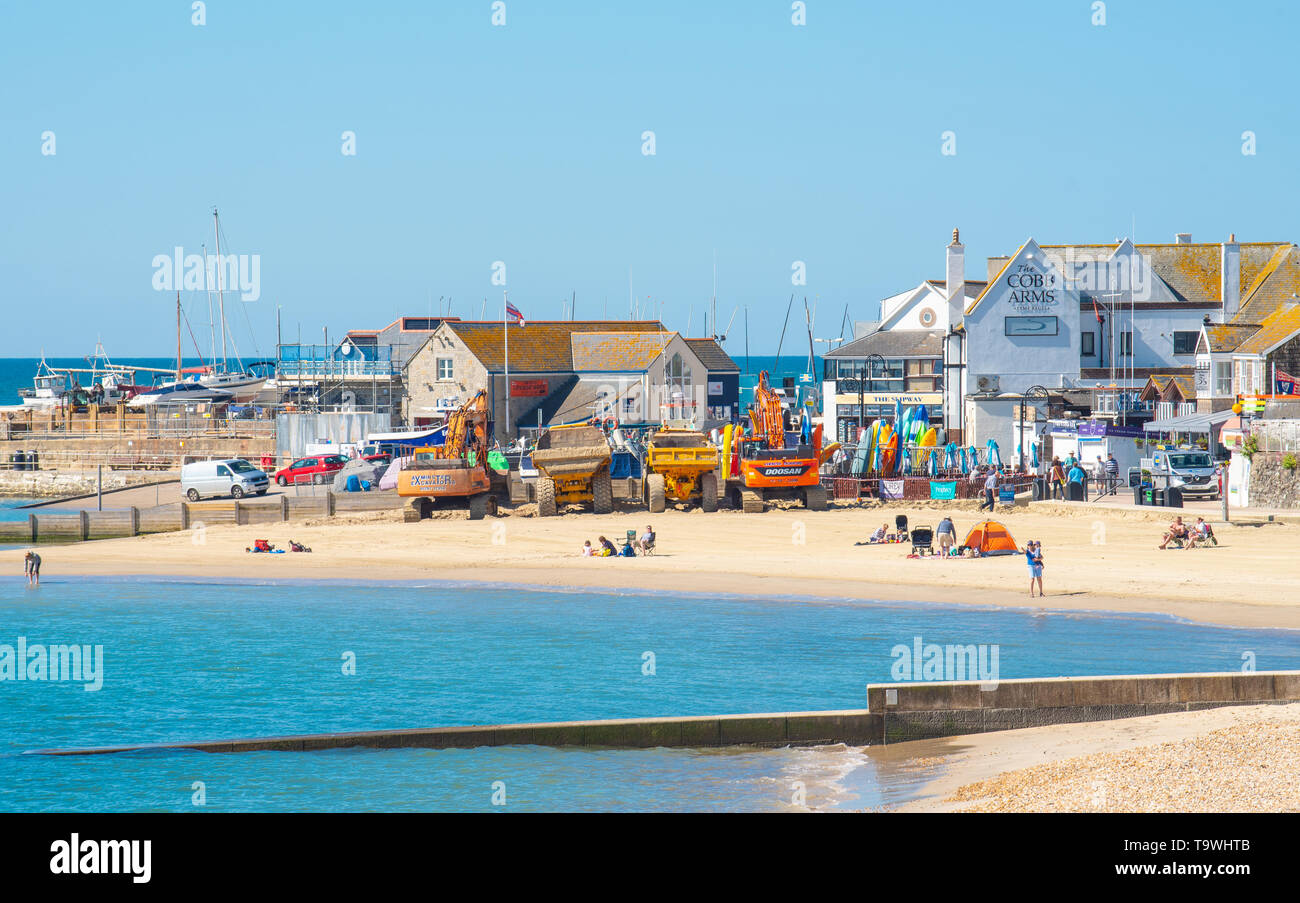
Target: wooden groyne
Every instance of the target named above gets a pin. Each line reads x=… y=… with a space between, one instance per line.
x=894 y=713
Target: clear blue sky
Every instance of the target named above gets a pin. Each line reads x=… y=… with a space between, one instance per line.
x=522 y=144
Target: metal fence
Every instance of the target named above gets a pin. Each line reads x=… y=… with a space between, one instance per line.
x=1277 y=435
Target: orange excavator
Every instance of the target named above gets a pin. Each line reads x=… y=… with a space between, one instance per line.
x=768 y=468
x=456 y=471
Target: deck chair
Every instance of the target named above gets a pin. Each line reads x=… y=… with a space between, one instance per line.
x=648 y=549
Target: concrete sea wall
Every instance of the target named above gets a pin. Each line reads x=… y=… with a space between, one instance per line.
x=895 y=713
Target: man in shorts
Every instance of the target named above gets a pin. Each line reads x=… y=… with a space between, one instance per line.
x=947 y=535
x=32 y=568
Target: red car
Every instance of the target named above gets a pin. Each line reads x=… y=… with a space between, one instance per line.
x=311 y=469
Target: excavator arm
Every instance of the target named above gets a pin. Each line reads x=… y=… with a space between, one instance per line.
x=765 y=414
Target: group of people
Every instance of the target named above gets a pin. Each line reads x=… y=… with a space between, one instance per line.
x=1188 y=537
x=264 y=545
x=644 y=545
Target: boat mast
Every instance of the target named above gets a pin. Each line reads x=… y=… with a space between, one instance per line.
x=212 y=320
x=178 y=336
x=221 y=299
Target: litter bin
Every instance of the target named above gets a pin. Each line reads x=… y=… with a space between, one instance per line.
x=1137 y=496
x=1040 y=489
x=1074 y=492
x=1173 y=497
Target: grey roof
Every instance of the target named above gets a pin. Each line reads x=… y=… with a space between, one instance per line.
x=894 y=343
x=1187 y=423
x=711 y=355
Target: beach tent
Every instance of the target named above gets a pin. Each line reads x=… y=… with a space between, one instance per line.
x=991 y=538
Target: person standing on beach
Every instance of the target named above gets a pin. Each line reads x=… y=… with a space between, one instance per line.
x=990 y=489
x=947 y=535
x=32 y=568
x=1034 y=558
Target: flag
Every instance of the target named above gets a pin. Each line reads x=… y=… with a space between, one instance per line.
x=1287 y=384
x=1095 y=311
x=512 y=313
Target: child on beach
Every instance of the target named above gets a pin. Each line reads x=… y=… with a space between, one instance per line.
x=587 y=551
x=607 y=549
x=32 y=568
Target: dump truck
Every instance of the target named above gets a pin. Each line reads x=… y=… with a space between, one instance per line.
x=681 y=464
x=573 y=466
x=769 y=469
x=457 y=471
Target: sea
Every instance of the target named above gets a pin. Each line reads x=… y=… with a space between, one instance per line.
x=187 y=660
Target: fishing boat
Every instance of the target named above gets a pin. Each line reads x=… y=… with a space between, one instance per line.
x=50 y=388
x=184 y=391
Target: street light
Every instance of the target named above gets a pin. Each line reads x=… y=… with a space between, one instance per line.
x=1031 y=392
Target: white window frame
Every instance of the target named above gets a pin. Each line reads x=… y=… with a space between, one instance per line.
x=450 y=369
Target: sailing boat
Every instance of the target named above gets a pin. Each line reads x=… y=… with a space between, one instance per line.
x=243 y=385
x=181 y=390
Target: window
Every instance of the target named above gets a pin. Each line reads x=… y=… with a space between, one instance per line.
x=1126 y=344
x=1087 y=344
x=1185 y=342
x=446 y=370
x=1222 y=378
x=419 y=324
x=223 y=470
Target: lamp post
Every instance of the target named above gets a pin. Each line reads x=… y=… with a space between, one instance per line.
x=1031 y=392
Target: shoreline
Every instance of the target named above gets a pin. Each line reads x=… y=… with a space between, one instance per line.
x=1100 y=562
x=707 y=586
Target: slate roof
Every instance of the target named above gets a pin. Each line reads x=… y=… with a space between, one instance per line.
x=1229 y=336
x=1278 y=327
x=894 y=343
x=617 y=351
x=711 y=355
x=540 y=346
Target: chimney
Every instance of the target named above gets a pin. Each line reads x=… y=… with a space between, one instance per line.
x=1183 y=238
x=955 y=284
x=1230 y=276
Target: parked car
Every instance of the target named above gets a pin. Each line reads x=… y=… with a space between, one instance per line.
x=317 y=469
x=233 y=476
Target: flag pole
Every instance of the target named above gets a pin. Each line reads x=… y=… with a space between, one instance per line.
x=505 y=328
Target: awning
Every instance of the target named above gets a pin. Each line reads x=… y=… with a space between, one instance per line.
x=1188 y=423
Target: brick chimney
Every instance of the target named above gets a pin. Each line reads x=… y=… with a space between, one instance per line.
x=955 y=284
x=1230 y=278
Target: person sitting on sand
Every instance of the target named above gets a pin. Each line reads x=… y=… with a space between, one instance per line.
x=607 y=549
x=587 y=550
x=1177 y=531
x=647 y=540
x=297 y=547
x=1202 y=533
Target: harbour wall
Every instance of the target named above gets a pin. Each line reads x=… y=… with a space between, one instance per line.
x=895 y=713
x=81 y=526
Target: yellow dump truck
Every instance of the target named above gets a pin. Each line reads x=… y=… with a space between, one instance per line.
x=681 y=465
x=573 y=463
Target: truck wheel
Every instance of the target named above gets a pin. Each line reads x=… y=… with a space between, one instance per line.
x=602 y=493
x=752 y=501
x=478 y=506
x=545 y=497
x=709 y=492
x=814 y=498
x=654 y=490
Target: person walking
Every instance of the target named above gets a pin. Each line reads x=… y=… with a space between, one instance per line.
x=990 y=489
x=1112 y=473
x=1056 y=476
x=32 y=568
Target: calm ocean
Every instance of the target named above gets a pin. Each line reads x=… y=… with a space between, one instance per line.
x=17 y=372
x=198 y=660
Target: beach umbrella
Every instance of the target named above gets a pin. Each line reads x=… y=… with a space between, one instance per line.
x=934 y=462
x=950 y=456
x=995 y=456
x=974 y=457
x=1034 y=454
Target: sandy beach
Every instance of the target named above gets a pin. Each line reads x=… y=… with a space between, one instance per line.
x=1234 y=759
x=1096 y=559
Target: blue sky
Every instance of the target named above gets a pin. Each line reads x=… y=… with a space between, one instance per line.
x=522 y=144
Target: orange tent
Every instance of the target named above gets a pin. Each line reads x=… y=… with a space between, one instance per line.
x=991 y=538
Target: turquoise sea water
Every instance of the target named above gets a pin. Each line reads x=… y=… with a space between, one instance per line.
x=194 y=660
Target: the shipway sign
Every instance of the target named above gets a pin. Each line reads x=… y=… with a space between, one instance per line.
x=1030 y=290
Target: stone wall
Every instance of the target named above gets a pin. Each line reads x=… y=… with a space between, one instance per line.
x=1271 y=484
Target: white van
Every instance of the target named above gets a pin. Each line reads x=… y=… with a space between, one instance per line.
x=233 y=476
